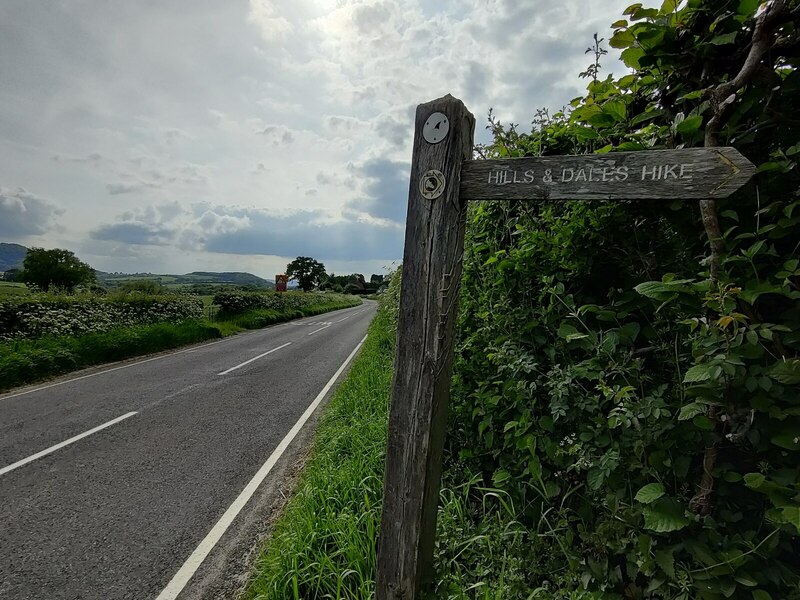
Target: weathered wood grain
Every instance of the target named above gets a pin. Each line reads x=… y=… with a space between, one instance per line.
x=432 y=259
x=652 y=174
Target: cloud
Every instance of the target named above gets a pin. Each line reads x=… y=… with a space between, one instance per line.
x=301 y=234
x=134 y=233
x=249 y=231
x=150 y=110
x=385 y=189
x=23 y=213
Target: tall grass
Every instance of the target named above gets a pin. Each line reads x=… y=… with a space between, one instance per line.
x=324 y=544
x=28 y=360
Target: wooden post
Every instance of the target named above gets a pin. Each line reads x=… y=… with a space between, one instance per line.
x=434 y=244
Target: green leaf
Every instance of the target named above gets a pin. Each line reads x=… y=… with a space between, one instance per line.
x=650 y=493
x=595 y=478
x=690 y=125
x=584 y=134
x=703 y=422
x=632 y=8
x=646 y=116
x=622 y=39
x=747 y=7
x=691 y=410
x=617 y=109
x=761 y=595
x=754 y=480
x=566 y=330
x=723 y=40
x=666 y=561
x=665 y=515
x=792 y=516
x=500 y=476
x=787 y=371
x=788 y=439
x=631 y=57
x=697 y=373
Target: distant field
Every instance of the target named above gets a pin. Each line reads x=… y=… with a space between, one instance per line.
x=10 y=288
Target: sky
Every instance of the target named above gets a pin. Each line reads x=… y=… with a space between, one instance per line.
x=170 y=136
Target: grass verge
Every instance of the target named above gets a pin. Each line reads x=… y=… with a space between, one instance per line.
x=323 y=546
x=28 y=361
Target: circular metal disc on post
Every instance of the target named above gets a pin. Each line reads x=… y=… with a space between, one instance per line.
x=432 y=184
x=436 y=128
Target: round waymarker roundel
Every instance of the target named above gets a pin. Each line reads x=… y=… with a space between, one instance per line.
x=432 y=184
x=436 y=128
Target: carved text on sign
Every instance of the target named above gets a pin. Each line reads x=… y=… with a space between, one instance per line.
x=649 y=174
x=506 y=176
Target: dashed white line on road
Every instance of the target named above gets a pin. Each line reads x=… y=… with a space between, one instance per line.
x=320 y=329
x=247 y=362
x=184 y=574
x=71 y=440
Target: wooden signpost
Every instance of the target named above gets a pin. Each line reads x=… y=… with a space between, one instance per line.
x=443 y=179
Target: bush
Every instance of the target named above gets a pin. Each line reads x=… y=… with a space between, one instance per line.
x=233 y=303
x=54 y=315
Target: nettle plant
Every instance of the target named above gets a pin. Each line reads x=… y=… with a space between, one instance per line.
x=629 y=372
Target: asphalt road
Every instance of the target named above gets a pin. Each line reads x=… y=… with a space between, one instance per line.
x=117 y=513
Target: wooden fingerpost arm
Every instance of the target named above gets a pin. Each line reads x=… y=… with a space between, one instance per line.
x=434 y=244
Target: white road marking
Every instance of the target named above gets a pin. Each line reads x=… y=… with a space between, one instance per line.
x=345 y=319
x=146 y=360
x=71 y=440
x=247 y=362
x=133 y=364
x=320 y=329
x=184 y=574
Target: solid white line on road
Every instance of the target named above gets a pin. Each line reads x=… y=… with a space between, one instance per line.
x=247 y=362
x=320 y=329
x=71 y=440
x=184 y=574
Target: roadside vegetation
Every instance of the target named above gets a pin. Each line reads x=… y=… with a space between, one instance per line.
x=323 y=546
x=46 y=334
x=626 y=396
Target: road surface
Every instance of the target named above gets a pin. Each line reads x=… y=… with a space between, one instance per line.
x=112 y=479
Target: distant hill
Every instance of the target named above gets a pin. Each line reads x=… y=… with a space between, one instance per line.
x=11 y=256
x=196 y=277
x=236 y=278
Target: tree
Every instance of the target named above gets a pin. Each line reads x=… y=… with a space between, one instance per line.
x=306 y=271
x=12 y=275
x=150 y=287
x=55 y=268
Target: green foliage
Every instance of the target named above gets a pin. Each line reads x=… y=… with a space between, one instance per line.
x=323 y=546
x=308 y=272
x=26 y=361
x=40 y=315
x=55 y=268
x=596 y=363
x=149 y=287
x=233 y=303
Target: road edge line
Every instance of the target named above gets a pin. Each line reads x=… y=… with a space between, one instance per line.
x=189 y=568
